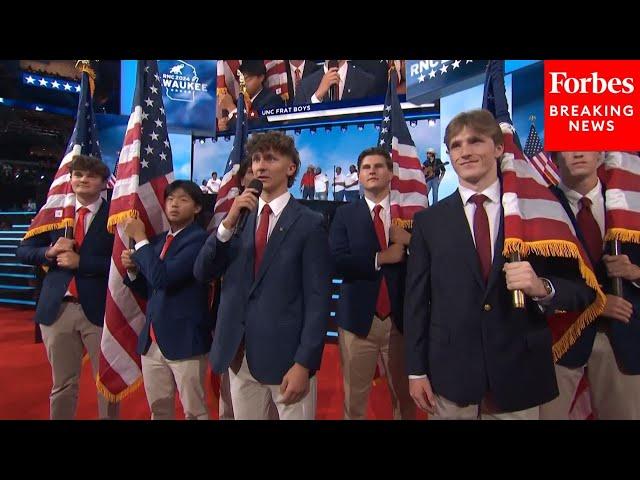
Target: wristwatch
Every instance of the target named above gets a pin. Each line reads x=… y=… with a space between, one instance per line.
x=547 y=286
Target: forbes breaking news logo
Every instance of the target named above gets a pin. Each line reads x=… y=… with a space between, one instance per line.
x=182 y=83
x=591 y=105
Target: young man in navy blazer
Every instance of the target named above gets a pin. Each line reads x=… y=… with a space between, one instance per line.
x=274 y=306
x=71 y=306
x=470 y=353
x=608 y=350
x=176 y=336
x=369 y=254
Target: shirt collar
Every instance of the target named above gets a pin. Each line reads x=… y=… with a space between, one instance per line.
x=385 y=202
x=492 y=192
x=277 y=204
x=93 y=207
x=574 y=197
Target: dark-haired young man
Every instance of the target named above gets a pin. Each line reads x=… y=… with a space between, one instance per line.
x=71 y=306
x=177 y=333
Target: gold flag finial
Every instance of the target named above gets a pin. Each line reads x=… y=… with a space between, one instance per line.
x=85 y=66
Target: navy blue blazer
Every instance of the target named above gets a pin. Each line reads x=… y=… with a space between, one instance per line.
x=624 y=338
x=353 y=243
x=91 y=276
x=283 y=312
x=358 y=84
x=177 y=303
x=467 y=336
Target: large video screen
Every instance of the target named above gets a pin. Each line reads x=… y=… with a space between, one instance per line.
x=289 y=93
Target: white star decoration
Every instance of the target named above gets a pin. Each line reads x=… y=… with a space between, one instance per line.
x=158 y=122
x=55 y=84
x=149 y=102
x=153 y=89
x=166 y=143
x=43 y=82
x=30 y=79
x=163 y=156
x=154 y=136
x=145 y=115
x=456 y=64
x=149 y=150
x=144 y=164
x=421 y=78
x=432 y=74
x=443 y=70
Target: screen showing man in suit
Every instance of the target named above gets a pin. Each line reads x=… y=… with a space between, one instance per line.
x=470 y=353
x=254 y=72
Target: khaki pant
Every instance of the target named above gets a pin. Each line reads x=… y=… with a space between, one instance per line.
x=614 y=395
x=359 y=357
x=63 y=341
x=162 y=376
x=253 y=400
x=448 y=410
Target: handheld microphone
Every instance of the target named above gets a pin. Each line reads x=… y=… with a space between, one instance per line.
x=333 y=89
x=244 y=213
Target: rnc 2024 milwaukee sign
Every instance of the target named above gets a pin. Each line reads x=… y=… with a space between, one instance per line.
x=189 y=93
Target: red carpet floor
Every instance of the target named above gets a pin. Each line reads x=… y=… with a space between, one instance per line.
x=25 y=376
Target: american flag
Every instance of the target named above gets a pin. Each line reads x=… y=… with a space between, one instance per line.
x=275 y=79
x=230 y=185
x=59 y=209
x=535 y=222
x=145 y=168
x=227 y=77
x=542 y=163
x=622 y=178
x=408 y=186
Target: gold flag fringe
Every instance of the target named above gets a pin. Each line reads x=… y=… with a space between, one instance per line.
x=67 y=222
x=399 y=222
x=561 y=248
x=119 y=396
x=623 y=235
x=120 y=217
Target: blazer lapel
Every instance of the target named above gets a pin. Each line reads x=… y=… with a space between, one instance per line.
x=289 y=215
x=462 y=239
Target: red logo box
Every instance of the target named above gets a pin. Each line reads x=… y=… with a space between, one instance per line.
x=591 y=105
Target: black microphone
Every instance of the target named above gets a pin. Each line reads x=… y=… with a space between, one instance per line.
x=244 y=213
x=333 y=89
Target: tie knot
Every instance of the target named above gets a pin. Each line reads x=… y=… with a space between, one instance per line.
x=478 y=199
x=585 y=202
x=82 y=211
x=377 y=209
x=266 y=210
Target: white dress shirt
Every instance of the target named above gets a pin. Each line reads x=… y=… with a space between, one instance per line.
x=293 y=75
x=597 y=206
x=385 y=215
x=88 y=218
x=277 y=207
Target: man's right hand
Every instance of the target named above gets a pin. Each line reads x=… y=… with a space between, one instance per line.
x=329 y=78
x=618 y=308
x=248 y=200
x=394 y=254
x=127 y=261
x=422 y=394
x=62 y=245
